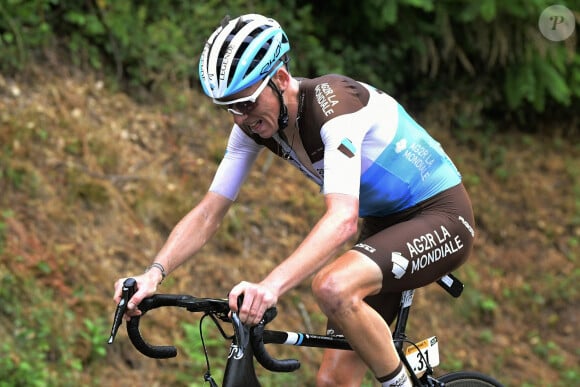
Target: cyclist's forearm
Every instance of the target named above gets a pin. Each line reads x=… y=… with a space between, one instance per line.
x=193 y=231
x=323 y=243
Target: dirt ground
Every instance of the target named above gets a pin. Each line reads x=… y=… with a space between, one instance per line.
x=92 y=182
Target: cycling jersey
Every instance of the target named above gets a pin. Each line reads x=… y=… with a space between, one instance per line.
x=360 y=142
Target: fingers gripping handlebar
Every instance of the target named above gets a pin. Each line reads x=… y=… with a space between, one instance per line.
x=211 y=306
x=129 y=287
x=256 y=340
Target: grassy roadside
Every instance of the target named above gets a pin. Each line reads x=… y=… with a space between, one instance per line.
x=92 y=182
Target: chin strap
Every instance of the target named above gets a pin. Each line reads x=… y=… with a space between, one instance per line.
x=283 y=116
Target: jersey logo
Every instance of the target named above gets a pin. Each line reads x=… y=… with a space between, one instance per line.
x=400 y=264
x=347 y=147
x=326 y=98
x=401 y=145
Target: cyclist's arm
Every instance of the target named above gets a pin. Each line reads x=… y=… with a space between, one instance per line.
x=199 y=225
x=186 y=238
x=193 y=231
x=336 y=227
x=339 y=223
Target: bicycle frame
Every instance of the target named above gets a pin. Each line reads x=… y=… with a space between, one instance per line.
x=248 y=342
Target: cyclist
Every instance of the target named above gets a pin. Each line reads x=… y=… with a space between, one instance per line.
x=371 y=160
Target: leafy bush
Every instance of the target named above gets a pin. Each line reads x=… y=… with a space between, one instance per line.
x=410 y=46
x=34 y=352
x=407 y=47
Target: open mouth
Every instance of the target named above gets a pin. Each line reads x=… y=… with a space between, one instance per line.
x=255 y=126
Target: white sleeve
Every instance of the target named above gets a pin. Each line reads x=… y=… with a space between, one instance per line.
x=343 y=138
x=241 y=152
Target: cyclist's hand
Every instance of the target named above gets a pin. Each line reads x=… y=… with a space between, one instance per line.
x=257 y=299
x=146 y=287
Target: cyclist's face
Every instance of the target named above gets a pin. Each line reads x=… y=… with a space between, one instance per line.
x=256 y=109
x=245 y=104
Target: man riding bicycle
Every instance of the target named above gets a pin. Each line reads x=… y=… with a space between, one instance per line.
x=371 y=160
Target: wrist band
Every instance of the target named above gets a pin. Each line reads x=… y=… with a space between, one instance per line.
x=160 y=267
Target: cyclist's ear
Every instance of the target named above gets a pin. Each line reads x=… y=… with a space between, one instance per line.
x=282 y=78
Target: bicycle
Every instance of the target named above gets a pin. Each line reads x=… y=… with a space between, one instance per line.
x=248 y=343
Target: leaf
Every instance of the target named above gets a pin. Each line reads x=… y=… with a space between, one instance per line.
x=390 y=12
x=426 y=5
x=75 y=18
x=552 y=81
x=488 y=10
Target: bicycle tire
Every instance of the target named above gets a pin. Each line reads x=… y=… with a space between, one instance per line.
x=469 y=379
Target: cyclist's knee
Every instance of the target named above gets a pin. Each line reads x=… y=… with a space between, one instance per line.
x=329 y=290
x=335 y=378
x=325 y=379
x=328 y=379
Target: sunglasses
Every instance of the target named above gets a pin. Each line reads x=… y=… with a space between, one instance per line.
x=244 y=105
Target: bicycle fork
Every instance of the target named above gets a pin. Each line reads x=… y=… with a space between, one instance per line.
x=240 y=370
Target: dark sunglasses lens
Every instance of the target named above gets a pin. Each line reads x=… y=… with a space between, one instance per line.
x=245 y=107
x=241 y=108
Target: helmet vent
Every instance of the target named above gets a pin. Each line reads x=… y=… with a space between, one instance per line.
x=251 y=37
x=225 y=21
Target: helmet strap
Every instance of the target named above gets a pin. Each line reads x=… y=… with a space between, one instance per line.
x=283 y=115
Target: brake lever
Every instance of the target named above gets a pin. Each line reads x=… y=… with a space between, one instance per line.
x=240 y=331
x=129 y=288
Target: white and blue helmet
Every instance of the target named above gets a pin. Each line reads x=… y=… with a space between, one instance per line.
x=240 y=53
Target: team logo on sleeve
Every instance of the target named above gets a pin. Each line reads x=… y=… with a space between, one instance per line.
x=347 y=147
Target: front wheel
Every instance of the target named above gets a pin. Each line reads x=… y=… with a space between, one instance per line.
x=468 y=379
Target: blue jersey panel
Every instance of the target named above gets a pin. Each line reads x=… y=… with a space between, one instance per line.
x=412 y=168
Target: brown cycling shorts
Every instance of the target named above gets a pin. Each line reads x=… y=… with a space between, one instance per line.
x=417 y=246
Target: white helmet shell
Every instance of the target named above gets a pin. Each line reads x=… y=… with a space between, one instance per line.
x=240 y=53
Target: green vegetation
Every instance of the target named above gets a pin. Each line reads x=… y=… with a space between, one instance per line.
x=102 y=210
x=447 y=45
x=102 y=154
x=192 y=345
x=34 y=351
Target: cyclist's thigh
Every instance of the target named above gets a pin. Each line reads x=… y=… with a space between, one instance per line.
x=341 y=368
x=429 y=243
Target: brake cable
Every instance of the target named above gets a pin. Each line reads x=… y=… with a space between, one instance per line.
x=207 y=376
